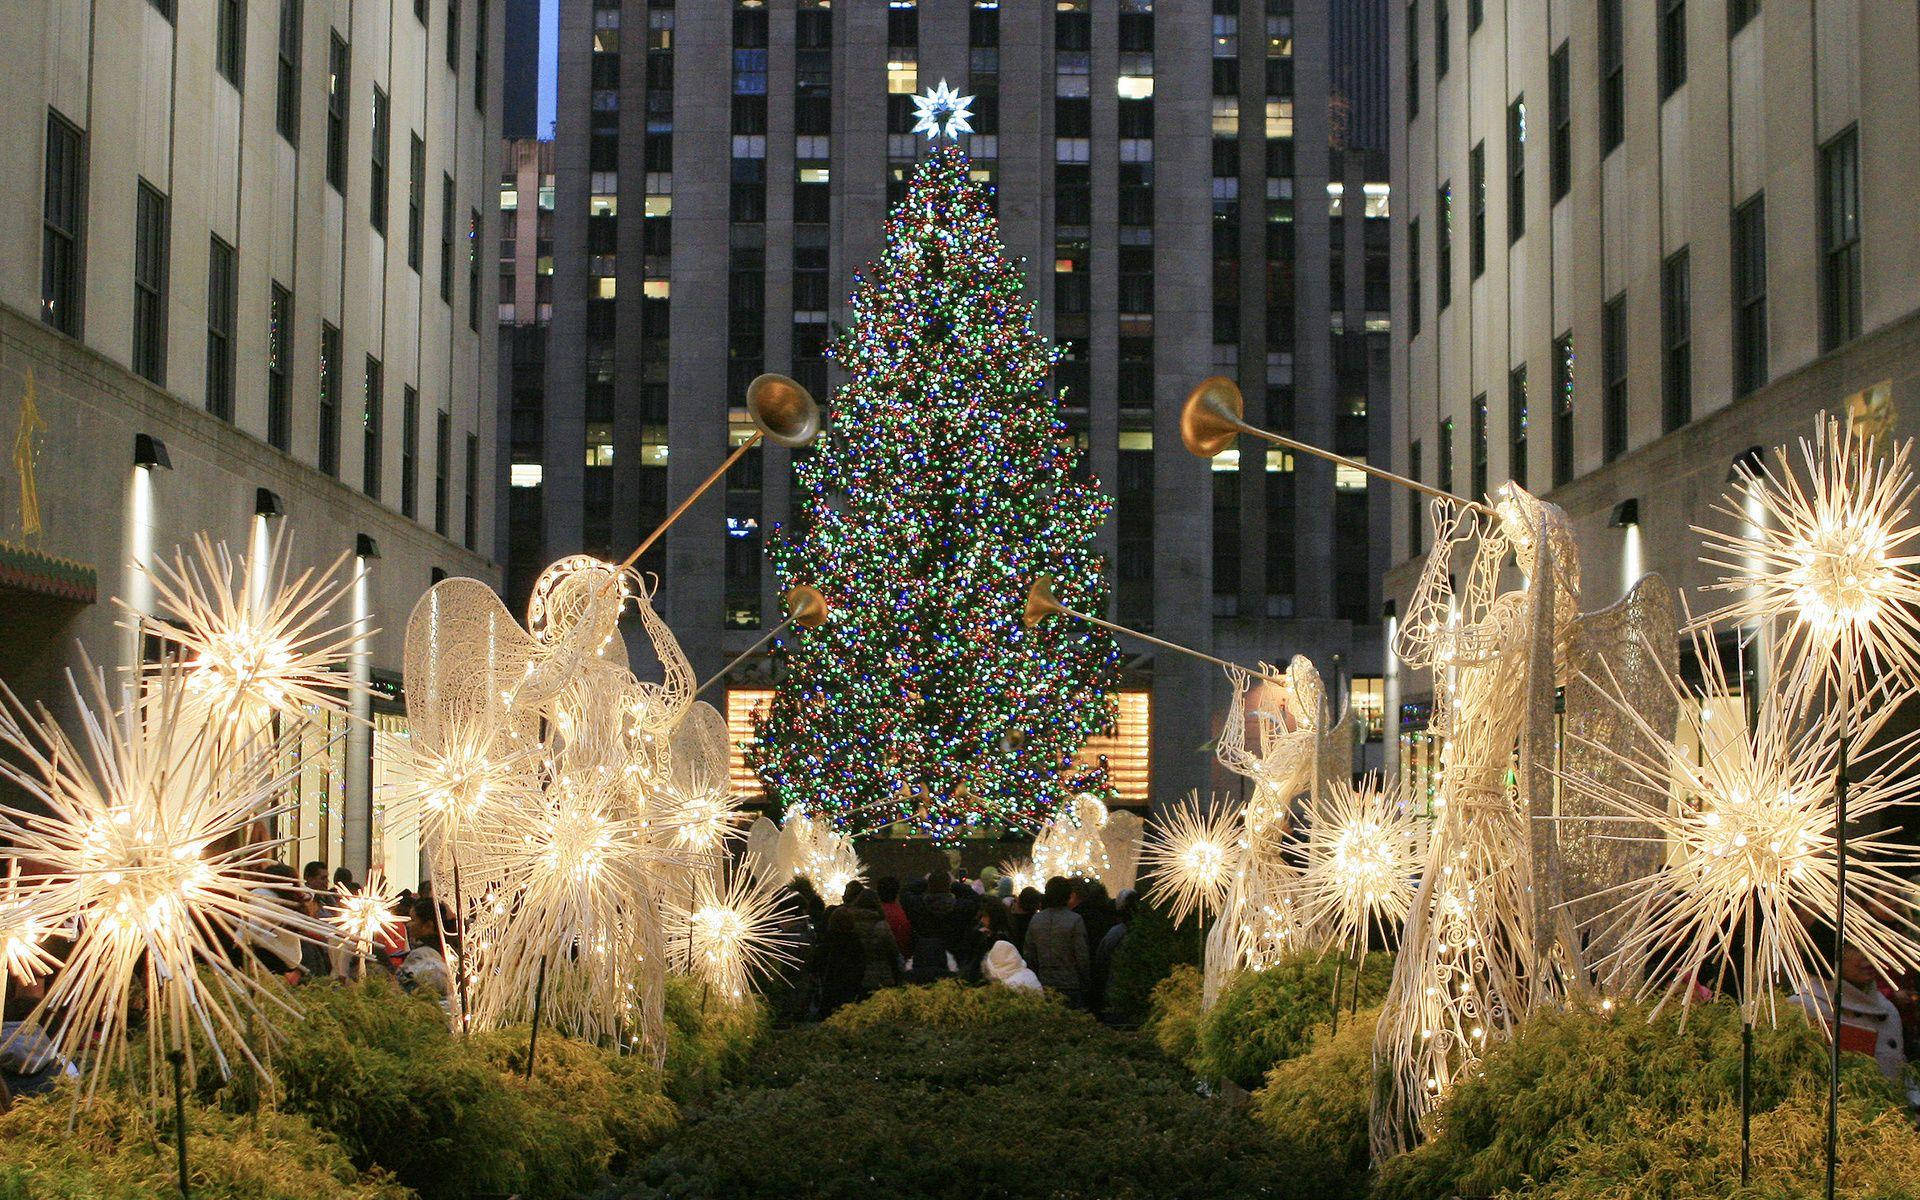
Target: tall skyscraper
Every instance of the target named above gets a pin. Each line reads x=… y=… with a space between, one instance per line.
x=1636 y=243
x=1196 y=188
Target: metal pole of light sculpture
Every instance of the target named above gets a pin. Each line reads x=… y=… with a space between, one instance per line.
x=1041 y=604
x=783 y=412
x=806 y=607
x=1214 y=416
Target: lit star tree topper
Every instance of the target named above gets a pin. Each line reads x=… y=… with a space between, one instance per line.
x=943 y=486
x=943 y=111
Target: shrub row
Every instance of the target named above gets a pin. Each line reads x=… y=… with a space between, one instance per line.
x=376 y=1098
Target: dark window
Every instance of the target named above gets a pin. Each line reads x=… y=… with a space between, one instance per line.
x=416 y=200
x=1562 y=401
x=409 y=449
x=1739 y=12
x=287 y=105
x=472 y=492
x=279 y=365
x=1446 y=455
x=1413 y=59
x=1416 y=503
x=373 y=427
x=473 y=269
x=1676 y=342
x=453 y=34
x=377 y=183
x=1441 y=50
x=480 y=36
x=1477 y=209
x=446 y=238
x=337 y=113
x=329 y=449
x=230 y=39
x=1673 y=46
x=1477 y=424
x=1413 y=278
x=1517 y=425
x=1749 y=295
x=1613 y=78
x=1840 y=240
x=150 y=237
x=220 y=310
x=1516 y=169
x=1560 y=120
x=1443 y=247
x=442 y=459
x=62 y=215
x=1613 y=364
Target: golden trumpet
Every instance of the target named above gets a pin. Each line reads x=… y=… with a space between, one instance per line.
x=806 y=607
x=1215 y=415
x=783 y=412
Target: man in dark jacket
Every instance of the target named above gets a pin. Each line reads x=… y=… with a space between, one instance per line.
x=939 y=929
x=1056 y=946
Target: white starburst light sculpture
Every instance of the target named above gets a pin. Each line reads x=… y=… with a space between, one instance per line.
x=141 y=834
x=1832 y=558
x=257 y=640
x=942 y=112
x=1022 y=873
x=1749 y=822
x=1192 y=854
x=731 y=931
x=367 y=917
x=1364 y=848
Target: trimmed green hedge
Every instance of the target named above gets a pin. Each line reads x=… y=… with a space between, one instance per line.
x=1314 y=1107
x=117 y=1152
x=955 y=1092
x=1615 y=1086
x=707 y=1042
x=1147 y=954
x=1173 y=1013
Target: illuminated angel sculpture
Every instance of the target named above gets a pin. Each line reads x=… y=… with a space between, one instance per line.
x=810 y=848
x=1087 y=840
x=1298 y=746
x=573 y=829
x=1488 y=936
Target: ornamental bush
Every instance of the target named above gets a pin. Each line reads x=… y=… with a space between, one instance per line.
x=1604 y=1083
x=1266 y=1017
x=1695 y=1154
x=1314 y=1108
x=707 y=1042
x=951 y=1092
x=116 y=1152
x=1173 y=1013
x=1148 y=953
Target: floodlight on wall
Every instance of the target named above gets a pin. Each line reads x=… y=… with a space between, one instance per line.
x=1625 y=513
x=1389 y=610
x=150 y=451
x=267 y=503
x=1747 y=464
x=365 y=547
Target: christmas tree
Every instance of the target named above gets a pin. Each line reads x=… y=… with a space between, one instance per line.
x=941 y=488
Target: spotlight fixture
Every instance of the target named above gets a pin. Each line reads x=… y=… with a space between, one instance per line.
x=365 y=547
x=150 y=451
x=1625 y=513
x=1390 y=609
x=267 y=503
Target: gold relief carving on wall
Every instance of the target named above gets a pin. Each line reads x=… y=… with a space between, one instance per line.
x=25 y=452
x=1873 y=411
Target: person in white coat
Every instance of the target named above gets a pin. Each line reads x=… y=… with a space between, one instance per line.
x=1004 y=966
x=1869 y=1022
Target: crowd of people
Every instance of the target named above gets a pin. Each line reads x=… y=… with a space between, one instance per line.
x=936 y=926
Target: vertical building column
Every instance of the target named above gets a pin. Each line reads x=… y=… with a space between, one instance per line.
x=694 y=580
x=1313 y=354
x=1182 y=321
x=356 y=816
x=1103 y=256
x=1252 y=375
x=563 y=419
